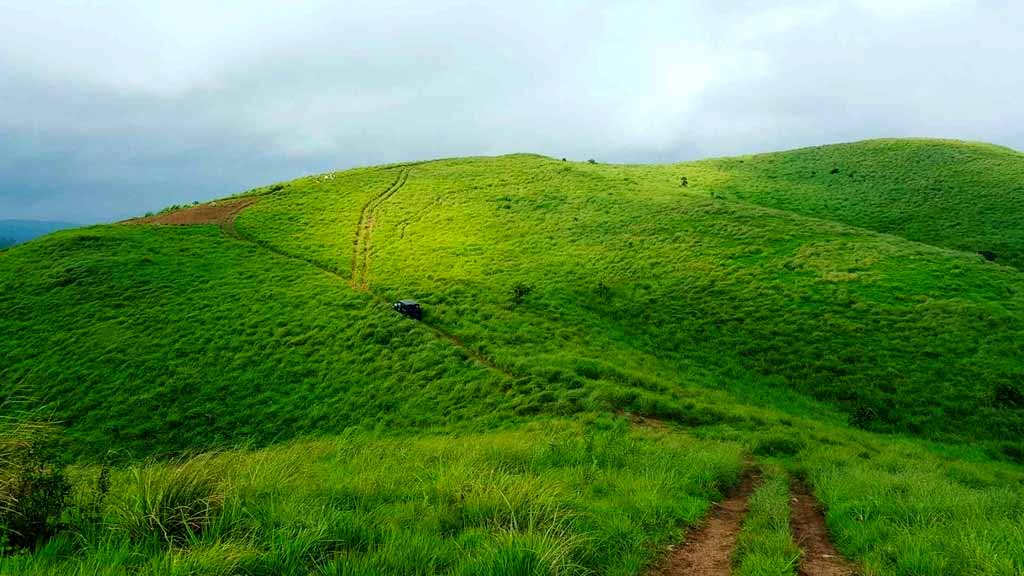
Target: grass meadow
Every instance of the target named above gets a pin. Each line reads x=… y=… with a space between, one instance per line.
x=603 y=353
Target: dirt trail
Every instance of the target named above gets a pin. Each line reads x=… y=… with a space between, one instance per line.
x=212 y=213
x=227 y=224
x=363 y=242
x=708 y=551
x=820 y=557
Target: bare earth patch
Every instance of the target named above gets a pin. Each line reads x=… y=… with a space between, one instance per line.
x=708 y=551
x=820 y=557
x=211 y=213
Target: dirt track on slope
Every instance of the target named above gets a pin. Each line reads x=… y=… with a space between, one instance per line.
x=227 y=224
x=363 y=241
x=708 y=551
x=820 y=557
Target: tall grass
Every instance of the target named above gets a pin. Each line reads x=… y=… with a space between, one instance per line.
x=903 y=510
x=173 y=503
x=565 y=499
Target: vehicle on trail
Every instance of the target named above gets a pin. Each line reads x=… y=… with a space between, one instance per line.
x=410 y=308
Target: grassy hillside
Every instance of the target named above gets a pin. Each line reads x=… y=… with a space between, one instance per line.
x=960 y=195
x=627 y=277
x=602 y=353
x=175 y=323
x=590 y=496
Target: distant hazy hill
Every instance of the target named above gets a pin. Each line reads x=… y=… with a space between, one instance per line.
x=17 y=231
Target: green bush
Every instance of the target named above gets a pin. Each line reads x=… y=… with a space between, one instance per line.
x=33 y=486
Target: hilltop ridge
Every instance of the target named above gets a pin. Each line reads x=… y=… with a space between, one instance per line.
x=952 y=194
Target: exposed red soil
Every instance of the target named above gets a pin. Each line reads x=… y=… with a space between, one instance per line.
x=810 y=533
x=211 y=213
x=227 y=224
x=708 y=551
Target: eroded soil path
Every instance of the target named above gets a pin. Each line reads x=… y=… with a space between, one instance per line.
x=708 y=550
x=211 y=213
x=810 y=533
x=227 y=224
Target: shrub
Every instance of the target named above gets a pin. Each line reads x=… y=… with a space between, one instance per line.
x=519 y=293
x=1009 y=396
x=776 y=443
x=864 y=417
x=33 y=487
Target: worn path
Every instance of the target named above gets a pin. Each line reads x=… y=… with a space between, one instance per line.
x=708 y=551
x=363 y=242
x=810 y=533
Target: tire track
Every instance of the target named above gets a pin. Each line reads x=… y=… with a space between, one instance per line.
x=363 y=241
x=819 y=557
x=708 y=551
x=227 y=225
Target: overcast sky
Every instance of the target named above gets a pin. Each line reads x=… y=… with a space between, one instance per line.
x=112 y=108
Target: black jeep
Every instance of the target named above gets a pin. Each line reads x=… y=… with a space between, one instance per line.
x=409 y=308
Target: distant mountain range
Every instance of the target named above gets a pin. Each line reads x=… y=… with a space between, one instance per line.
x=17 y=231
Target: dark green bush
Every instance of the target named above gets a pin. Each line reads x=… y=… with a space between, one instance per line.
x=1008 y=396
x=519 y=293
x=777 y=443
x=33 y=487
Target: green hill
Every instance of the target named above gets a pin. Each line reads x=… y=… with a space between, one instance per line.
x=601 y=351
x=960 y=195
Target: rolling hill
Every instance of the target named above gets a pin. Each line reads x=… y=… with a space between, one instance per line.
x=959 y=195
x=603 y=352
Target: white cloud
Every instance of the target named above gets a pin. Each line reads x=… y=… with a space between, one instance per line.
x=900 y=9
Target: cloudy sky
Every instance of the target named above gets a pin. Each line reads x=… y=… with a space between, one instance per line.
x=113 y=108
